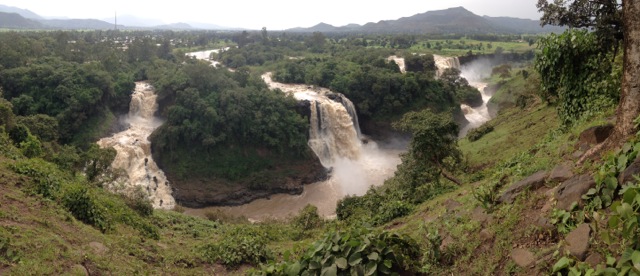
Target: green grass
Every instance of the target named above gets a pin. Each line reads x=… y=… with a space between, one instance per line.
x=449 y=49
x=515 y=131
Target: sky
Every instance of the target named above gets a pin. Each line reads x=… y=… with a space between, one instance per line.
x=272 y=14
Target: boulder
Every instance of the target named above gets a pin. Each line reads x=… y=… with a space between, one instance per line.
x=572 y=190
x=522 y=257
x=578 y=241
x=595 y=135
x=633 y=169
x=532 y=182
x=560 y=173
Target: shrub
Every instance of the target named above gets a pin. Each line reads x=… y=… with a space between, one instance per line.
x=477 y=133
x=307 y=219
x=390 y=210
x=84 y=206
x=46 y=177
x=239 y=246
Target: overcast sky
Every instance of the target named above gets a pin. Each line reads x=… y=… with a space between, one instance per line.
x=273 y=14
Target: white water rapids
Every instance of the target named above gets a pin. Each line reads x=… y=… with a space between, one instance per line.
x=476 y=116
x=134 y=151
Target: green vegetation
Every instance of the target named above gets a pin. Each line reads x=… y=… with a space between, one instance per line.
x=442 y=212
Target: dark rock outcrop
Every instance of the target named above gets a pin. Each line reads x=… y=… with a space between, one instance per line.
x=199 y=193
x=594 y=135
x=572 y=190
x=532 y=182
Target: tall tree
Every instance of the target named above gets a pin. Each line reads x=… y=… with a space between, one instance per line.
x=613 y=22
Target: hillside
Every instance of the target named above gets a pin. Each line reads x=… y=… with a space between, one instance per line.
x=15 y=21
x=22 y=12
x=89 y=24
x=452 y=20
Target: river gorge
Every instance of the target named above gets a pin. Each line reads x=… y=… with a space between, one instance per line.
x=355 y=162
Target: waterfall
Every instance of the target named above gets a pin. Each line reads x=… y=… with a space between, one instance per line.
x=335 y=137
x=476 y=116
x=134 y=151
x=442 y=63
x=333 y=132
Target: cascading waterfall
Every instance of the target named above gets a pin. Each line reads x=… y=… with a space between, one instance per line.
x=134 y=151
x=442 y=63
x=476 y=116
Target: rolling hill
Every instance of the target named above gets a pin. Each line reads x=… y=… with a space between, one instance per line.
x=16 y=21
x=453 y=20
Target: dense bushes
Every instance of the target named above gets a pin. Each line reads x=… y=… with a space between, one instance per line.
x=238 y=246
x=578 y=73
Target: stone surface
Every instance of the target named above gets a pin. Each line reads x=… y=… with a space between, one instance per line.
x=595 y=135
x=561 y=173
x=532 y=182
x=595 y=259
x=98 y=248
x=522 y=257
x=633 y=169
x=572 y=190
x=577 y=154
x=578 y=241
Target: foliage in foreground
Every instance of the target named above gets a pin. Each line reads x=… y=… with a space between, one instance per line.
x=356 y=252
x=620 y=233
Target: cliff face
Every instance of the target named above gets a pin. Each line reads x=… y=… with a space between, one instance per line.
x=198 y=192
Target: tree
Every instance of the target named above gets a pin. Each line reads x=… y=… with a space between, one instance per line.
x=612 y=22
x=433 y=151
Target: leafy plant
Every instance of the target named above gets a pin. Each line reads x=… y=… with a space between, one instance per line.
x=565 y=221
x=487 y=195
x=358 y=252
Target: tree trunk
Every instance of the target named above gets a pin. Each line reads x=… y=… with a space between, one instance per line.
x=629 y=106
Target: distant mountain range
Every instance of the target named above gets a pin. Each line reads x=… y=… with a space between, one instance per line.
x=16 y=18
x=453 y=20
